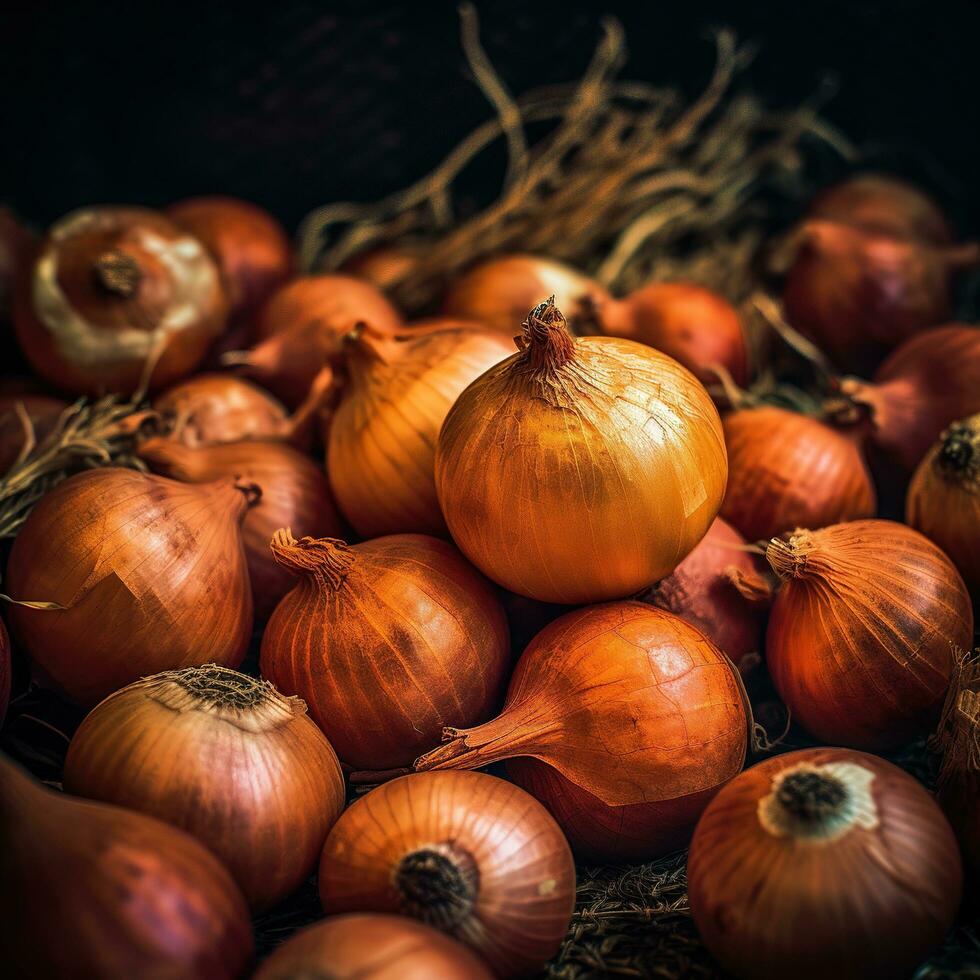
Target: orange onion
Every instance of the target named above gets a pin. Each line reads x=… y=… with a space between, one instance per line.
x=90 y=890
x=6 y=671
x=859 y=637
x=464 y=852
x=623 y=720
x=226 y=758
x=384 y=266
x=823 y=863
x=580 y=470
x=147 y=574
x=787 y=470
x=295 y=493
x=112 y=291
x=387 y=642
x=43 y=413
x=382 y=436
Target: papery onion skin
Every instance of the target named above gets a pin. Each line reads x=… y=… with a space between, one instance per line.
x=859 y=637
x=90 y=890
x=869 y=902
x=387 y=642
x=372 y=947
x=409 y=841
x=623 y=720
x=151 y=574
x=43 y=412
x=6 y=670
x=224 y=757
x=787 y=470
x=382 y=437
x=580 y=470
x=384 y=266
x=112 y=288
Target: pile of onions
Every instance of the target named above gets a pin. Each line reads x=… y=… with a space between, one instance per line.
x=580 y=470
x=113 y=290
x=43 y=413
x=295 y=493
x=90 y=890
x=382 y=437
x=787 y=470
x=823 y=863
x=464 y=852
x=5 y=671
x=384 y=266
x=372 y=947
x=387 y=642
x=860 y=634
x=623 y=720
x=149 y=575
x=226 y=758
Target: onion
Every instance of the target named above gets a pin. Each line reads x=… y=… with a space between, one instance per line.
x=462 y=851
x=43 y=413
x=823 y=863
x=384 y=266
x=371 y=947
x=623 y=720
x=387 y=642
x=226 y=758
x=6 y=671
x=787 y=470
x=112 y=291
x=382 y=437
x=90 y=890
x=580 y=470
x=295 y=493
x=150 y=575
x=859 y=637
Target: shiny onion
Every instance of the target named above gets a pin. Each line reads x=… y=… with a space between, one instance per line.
x=226 y=758
x=43 y=413
x=859 y=638
x=90 y=890
x=464 y=852
x=382 y=436
x=112 y=290
x=6 y=671
x=384 y=266
x=387 y=642
x=787 y=470
x=150 y=575
x=295 y=493
x=823 y=863
x=371 y=947
x=623 y=720
x=580 y=470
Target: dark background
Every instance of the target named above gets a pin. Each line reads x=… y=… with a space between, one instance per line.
x=295 y=104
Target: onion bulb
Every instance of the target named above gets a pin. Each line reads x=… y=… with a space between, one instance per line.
x=859 y=637
x=464 y=852
x=150 y=575
x=623 y=720
x=90 y=890
x=112 y=291
x=580 y=470
x=226 y=758
x=823 y=863
x=787 y=470
x=384 y=266
x=382 y=437
x=6 y=670
x=387 y=642
x=43 y=413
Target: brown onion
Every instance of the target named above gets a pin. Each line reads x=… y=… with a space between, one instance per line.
x=623 y=720
x=6 y=671
x=295 y=493
x=382 y=437
x=823 y=863
x=43 y=413
x=859 y=637
x=787 y=470
x=464 y=852
x=580 y=470
x=387 y=642
x=90 y=890
x=150 y=575
x=112 y=291
x=226 y=758
x=384 y=266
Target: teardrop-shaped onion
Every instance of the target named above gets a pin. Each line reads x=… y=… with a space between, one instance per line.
x=43 y=413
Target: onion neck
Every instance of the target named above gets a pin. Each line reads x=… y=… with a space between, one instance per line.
x=546 y=345
x=171 y=458
x=958 y=458
x=788 y=558
x=326 y=560
x=118 y=273
x=438 y=884
x=240 y=495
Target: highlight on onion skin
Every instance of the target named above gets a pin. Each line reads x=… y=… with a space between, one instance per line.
x=91 y=890
x=823 y=863
x=464 y=852
x=6 y=671
x=860 y=637
x=43 y=412
x=623 y=720
x=369 y=946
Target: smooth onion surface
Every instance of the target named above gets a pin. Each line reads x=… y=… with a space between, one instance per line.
x=43 y=413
